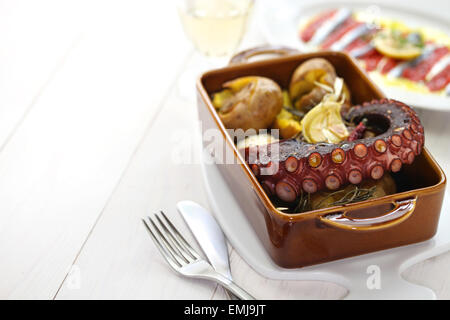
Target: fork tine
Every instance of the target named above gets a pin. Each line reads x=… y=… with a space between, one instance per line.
x=164 y=252
x=167 y=244
x=181 y=250
x=180 y=238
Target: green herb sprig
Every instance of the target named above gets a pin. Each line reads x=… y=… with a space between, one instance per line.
x=356 y=194
x=352 y=196
x=295 y=112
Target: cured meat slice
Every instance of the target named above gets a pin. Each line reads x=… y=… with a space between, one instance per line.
x=420 y=71
x=348 y=25
x=440 y=81
x=307 y=33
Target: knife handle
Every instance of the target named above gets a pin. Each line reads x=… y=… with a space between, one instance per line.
x=233 y=288
x=230 y=295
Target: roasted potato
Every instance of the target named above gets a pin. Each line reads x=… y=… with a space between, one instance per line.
x=302 y=88
x=347 y=100
x=249 y=103
x=287 y=125
x=286 y=122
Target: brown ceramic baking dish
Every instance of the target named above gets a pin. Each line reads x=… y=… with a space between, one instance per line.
x=296 y=240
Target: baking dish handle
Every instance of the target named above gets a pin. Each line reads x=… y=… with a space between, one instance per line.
x=245 y=55
x=401 y=211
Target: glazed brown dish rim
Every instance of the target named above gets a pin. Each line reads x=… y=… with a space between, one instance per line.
x=256 y=185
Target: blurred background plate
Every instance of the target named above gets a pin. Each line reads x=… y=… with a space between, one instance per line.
x=279 y=23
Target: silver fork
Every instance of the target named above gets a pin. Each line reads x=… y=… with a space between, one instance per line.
x=182 y=257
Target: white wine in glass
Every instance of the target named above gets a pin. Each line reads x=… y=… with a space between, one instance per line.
x=215 y=27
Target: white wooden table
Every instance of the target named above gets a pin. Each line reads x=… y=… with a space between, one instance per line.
x=89 y=121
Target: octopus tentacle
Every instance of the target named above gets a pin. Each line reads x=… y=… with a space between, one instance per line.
x=314 y=167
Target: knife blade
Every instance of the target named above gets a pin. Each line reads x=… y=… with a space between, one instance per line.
x=208 y=235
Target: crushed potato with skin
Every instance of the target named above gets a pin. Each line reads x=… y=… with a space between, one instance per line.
x=286 y=122
x=250 y=102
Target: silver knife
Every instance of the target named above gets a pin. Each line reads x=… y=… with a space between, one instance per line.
x=209 y=236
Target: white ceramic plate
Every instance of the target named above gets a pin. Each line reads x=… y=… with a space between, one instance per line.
x=352 y=273
x=279 y=23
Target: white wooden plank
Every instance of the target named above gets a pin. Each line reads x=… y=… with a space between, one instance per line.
x=119 y=259
x=433 y=273
x=269 y=289
x=60 y=167
x=35 y=36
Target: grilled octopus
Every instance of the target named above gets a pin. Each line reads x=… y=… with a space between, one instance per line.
x=298 y=166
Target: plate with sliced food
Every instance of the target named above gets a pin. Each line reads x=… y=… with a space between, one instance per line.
x=406 y=52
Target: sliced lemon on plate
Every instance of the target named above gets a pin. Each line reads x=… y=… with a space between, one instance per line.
x=397 y=45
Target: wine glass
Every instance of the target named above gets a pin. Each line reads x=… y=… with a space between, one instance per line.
x=216 y=28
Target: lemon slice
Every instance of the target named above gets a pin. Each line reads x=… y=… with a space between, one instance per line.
x=221 y=97
x=396 y=45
